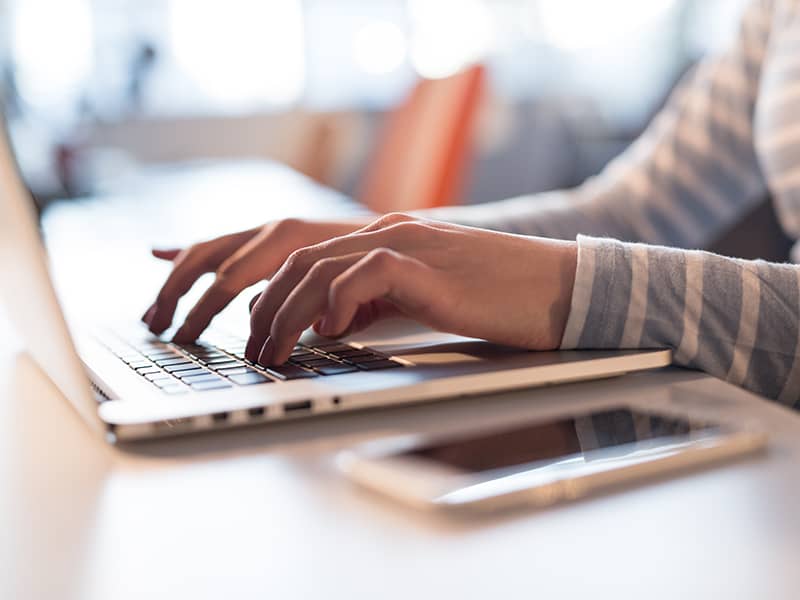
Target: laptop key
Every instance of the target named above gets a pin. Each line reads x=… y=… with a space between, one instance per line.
x=368 y=358
x=234 y=371
x=182 y=367
x=378 y=364
x=139 y=364
x=162 y=383
x=159 y=377
x=351 y=352
x=193 y=373
x=148 y=370
x=203 y=386
x=173 y=390
x=209 y=356
x=129 y=358
x=200 y=378
x=288 y=372
x=315 y=362
x=226 y=364
x=175 y=360
x=337 y=369
x=251 y=378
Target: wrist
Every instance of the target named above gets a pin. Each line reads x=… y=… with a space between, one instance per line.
x=565 y=264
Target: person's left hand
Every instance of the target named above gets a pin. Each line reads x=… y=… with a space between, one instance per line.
x=504 y=288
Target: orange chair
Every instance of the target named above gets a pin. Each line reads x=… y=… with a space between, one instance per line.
x=422 y=155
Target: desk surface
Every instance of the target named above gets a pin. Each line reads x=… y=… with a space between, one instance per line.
x=261 y=513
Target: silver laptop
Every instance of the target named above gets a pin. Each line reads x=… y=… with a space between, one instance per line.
x=128 y=384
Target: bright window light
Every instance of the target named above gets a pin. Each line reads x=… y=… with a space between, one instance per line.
x=580 y=24
x=379 y=47
x=53 y=49
x=449 y=34
x=241 y=53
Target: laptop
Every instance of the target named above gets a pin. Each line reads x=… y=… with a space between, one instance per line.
x=127 y=384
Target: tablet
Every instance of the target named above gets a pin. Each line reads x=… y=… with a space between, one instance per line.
x=543 y=462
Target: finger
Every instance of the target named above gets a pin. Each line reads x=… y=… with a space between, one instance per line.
x=210 y=304
x=257 y=259
x=187 y=270
x=189 y=266
x=166 y=254
x=253 y=301
x=407 y=283
x=148 y=315
x=303 y=307
x=398 y=236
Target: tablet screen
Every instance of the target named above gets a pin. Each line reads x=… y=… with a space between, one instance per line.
x=615 y=432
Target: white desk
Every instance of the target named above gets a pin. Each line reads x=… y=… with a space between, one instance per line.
x=259 y=513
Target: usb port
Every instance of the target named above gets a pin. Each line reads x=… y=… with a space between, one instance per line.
x=299 y=406
x=220 y=417
x=256 y=412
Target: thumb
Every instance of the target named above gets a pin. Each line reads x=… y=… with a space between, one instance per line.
x=170 y=254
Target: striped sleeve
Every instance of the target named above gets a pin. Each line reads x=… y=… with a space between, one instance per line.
x=735 y=319
x=692 y=173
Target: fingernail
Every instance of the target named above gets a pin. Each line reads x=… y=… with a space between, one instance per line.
x=250 y=350
x=265 y=358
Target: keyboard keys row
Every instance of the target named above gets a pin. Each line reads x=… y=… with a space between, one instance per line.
x=203 y=366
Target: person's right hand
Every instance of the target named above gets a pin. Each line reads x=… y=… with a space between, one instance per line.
x=238 y=260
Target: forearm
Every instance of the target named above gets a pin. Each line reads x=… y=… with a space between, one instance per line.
x=559 y=214
x=737 y=320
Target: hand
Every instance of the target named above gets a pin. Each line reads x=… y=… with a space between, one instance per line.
x=239 y=260
x=504 y=288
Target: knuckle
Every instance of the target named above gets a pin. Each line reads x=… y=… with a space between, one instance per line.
x=285 y=226
x=226 y=276
x=320 y=268
x=337 y=291
x=299 y=258
x=381 y=258
x=291 y=263
x=395 y=217
x=407 y=229
x=225 y=284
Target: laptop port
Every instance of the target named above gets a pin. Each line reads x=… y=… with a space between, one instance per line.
x=256 y=413
x=220 y=417
x=299 y=406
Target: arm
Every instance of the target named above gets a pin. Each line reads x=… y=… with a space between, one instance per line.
x=691 y=174
x=738 y=320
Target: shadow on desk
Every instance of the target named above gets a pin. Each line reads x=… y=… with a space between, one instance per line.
x=58 y=470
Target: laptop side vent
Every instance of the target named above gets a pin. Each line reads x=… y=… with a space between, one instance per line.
x=99 y=394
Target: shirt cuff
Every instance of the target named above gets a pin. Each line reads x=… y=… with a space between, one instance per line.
x=604 y=298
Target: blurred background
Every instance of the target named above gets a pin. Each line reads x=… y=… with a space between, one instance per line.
x=100 y=92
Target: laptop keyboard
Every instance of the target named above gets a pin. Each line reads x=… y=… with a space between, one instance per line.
x=203 y=366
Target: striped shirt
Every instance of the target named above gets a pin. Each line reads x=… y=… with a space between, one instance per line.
x=728 y=137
